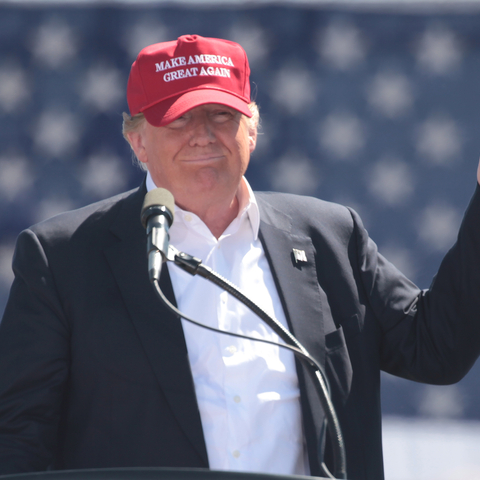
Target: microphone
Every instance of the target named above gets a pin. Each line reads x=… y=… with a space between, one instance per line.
x=157 y=217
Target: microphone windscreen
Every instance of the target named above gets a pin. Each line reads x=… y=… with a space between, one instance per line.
x=159 y=197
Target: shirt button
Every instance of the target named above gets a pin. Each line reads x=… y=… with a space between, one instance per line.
x=236 y=453
x=232 y=349
x=237 y=399
x=188 y=218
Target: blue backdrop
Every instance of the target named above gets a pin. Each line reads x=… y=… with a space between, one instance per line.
x=375 y=110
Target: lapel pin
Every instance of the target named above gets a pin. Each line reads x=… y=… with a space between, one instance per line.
x=299 y=256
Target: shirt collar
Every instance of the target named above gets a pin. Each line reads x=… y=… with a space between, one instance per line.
x=247 y=203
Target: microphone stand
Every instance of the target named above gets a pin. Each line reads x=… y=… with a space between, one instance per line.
x=194 y=266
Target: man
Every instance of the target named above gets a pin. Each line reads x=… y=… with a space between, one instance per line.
x=94 y=370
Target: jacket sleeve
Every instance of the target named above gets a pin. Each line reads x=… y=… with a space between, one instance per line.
x=34 y=362
x=431 y=336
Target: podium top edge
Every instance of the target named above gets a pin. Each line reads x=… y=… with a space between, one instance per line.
x=151 y=473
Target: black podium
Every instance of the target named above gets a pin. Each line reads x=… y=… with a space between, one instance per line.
x=151 y=474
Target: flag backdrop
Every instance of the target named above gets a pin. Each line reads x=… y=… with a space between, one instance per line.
x=376 y=110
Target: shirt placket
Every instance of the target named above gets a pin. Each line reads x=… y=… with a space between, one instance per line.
x=228 y=320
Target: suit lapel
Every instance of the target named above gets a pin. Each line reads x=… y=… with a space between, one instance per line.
x=297 y=281
x=304 y=303
x=159 y=331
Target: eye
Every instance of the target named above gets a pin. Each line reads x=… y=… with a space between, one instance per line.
x=178 y=122
x=223 y=115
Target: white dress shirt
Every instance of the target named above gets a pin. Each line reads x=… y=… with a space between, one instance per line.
x=247 y=391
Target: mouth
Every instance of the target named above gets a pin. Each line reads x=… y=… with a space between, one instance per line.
x=206 y=158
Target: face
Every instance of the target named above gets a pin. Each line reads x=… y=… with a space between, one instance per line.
x=200 y=157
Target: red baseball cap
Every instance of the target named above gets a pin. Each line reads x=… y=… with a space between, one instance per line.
x=168 y=79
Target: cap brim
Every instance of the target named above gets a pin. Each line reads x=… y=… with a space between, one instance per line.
x=169 y=110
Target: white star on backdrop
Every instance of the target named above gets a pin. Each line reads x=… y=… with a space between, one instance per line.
x=102 y=88
x=341 y=45
x=391 y=94
x=15 y=176
x=56 y=133
x=103 y=175
x=441 y=402
x=342 y=134
x=253 y=39
x=439 y=140
x=294 y=173
x=144 y=33
x=439 y=51
x=52 y=206
x=400 y=257
x=53 y=44
x=438 y=226
x=294 y=89
x=391 y=181
x=14 y=89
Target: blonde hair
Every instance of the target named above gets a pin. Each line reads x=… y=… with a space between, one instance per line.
x=135 y=124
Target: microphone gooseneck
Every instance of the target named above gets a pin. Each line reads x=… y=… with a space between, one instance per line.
x=157 y=217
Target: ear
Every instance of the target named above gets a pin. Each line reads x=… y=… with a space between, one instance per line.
x=252 y=138
x=136 y=141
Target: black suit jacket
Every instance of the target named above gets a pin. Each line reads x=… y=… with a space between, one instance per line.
x=94 y=370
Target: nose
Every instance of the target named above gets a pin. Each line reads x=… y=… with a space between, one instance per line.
x=202 y=133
